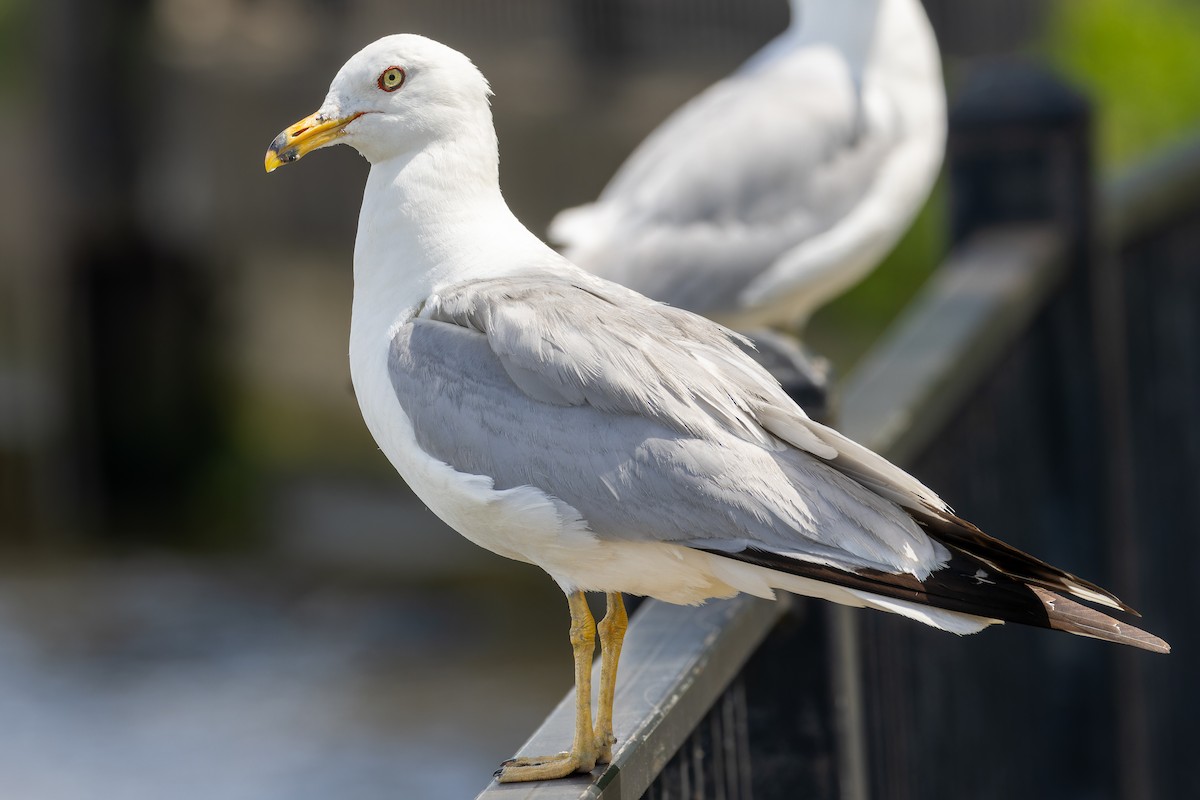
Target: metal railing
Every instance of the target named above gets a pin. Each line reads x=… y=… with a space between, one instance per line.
x=999 y=386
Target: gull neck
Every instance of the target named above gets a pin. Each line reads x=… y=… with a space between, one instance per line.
x=434 y=217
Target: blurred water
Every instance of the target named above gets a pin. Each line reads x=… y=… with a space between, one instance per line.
x=151 y=679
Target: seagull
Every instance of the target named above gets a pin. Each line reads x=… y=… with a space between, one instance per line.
x=620 y=444
x=785 y=183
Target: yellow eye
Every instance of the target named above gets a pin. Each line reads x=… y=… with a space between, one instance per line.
x=391 y=79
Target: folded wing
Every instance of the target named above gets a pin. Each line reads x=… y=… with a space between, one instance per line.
x=654 y=425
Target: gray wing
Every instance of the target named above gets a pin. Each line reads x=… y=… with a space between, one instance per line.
x=567 y=337
x=647 y=420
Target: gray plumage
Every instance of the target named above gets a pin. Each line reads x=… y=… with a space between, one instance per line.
x=649 y=421
x=619 y=444
x=654 y=425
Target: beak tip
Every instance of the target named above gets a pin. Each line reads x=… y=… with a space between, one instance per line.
x=276 y=159
x=314 y=131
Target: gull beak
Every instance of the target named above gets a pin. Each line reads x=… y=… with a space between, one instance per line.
x=310 y=133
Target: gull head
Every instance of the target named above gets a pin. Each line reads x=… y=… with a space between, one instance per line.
x=394 y=96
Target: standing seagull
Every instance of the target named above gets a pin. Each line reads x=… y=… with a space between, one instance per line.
x=784 y=184
x=619 y=444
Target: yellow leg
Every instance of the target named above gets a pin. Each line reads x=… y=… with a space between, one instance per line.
x=612 y=634
x=582 y=756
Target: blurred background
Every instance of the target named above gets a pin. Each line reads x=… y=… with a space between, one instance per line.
x=212 y=584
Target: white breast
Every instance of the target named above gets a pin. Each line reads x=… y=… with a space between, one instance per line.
x=499 y=521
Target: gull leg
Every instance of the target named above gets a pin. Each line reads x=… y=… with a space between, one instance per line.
x=612 y=634
x=582 y=756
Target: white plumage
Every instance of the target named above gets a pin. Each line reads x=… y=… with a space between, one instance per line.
x=620 y=444
x=784 y=184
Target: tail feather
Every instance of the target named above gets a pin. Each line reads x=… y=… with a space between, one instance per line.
x=1065 y=614
x=968 y=585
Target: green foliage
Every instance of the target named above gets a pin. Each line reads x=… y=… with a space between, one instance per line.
x=1140 y=62
x=15 y=28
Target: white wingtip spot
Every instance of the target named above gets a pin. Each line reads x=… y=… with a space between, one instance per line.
x=981 y=576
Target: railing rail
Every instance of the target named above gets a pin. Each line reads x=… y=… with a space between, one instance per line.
x=999 y=284
x=949 y=337
x=676 y=663
x=1155 y=191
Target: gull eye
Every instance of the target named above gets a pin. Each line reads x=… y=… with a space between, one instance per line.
x=391 y=79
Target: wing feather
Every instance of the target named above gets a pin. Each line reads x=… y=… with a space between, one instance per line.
x=695 y=441
x=680 y=446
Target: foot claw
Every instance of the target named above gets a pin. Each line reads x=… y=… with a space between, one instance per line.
x=542 y=768
x=532 y=761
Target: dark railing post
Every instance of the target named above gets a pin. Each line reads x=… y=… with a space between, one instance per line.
x=1020 y=153
x=1152 y=219
x=1021 y=149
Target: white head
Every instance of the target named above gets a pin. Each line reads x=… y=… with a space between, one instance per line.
x=393 y=97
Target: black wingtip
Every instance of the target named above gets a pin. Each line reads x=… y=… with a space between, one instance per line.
x=958 y=534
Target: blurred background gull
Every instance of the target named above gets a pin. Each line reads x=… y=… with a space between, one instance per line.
x=783 y=184
x=211 y=583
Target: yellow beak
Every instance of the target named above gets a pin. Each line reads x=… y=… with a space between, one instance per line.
x=305 y=136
